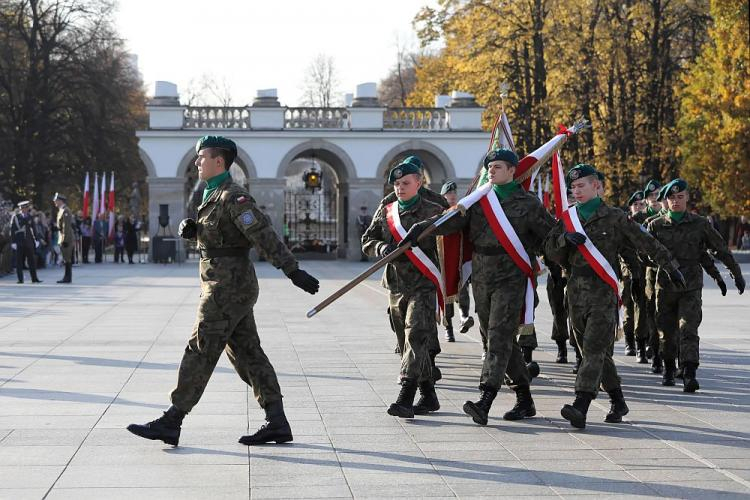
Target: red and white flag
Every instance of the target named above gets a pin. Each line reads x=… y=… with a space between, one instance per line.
x=569 y=216
x=111 y=206
x=95 y=204
x=86 y=195
x=103 y=198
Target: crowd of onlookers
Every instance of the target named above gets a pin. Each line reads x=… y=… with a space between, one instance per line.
x=92 y=238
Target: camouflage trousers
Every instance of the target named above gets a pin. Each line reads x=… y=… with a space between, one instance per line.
x=413 y=317
x=649 y=311
x=559 y=307
x=678 y=316
x=593 y=313
x=498 y=306
x=635 y=315
x=464 y=303
x=238 y=336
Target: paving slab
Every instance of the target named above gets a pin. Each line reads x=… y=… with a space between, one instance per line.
x=80 y=362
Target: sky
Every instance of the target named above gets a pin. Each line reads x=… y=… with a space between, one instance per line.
x=255 y=44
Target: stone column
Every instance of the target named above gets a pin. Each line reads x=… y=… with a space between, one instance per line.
x=366 y=113
x=168 y=191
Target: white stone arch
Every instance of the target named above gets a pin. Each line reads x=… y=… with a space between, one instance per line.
x=330 y=153
x=438 y=171
x=147 y=162
x=243 y=160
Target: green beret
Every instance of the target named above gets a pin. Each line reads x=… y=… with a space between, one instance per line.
x=672 y=187
x=651 y=187
x=637 y=196
x=402 y=169
x=448 y=187
x=579 y=171
x=500 y=154
x=216 y=141
x=416 y=160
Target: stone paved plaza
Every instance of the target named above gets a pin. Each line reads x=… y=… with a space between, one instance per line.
x=80 y=362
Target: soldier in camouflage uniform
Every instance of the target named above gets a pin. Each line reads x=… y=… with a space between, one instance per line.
x=592 y=303
x=678 y=310
x=67 y=237
x=229 y=224
x=498 y=284
x=633 y=323
x=412 y=295
x=449 y=192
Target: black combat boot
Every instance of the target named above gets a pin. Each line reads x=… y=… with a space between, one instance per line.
x=528 y=354
x=617 y=408
x=165 y=428
x=466 y=323
x=642 y=359
x=67 y=278
x=428 y=400
x=630 y=344
x=524 y=407
x=480 y=410
x=449 y=334
x=562 y=352
x=276 y=427
x=533 y=368
x=669 y=372
x=690 y=383
x=436 y=373
x=576 y=413
x=656 y=363
x=404 y=405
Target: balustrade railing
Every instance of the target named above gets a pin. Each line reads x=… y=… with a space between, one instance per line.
x=316 y=118
x=415 y=119
x=217 y=117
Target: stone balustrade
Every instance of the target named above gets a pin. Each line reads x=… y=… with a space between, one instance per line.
x=217 y=117
x=415 y=119
x=331 y=118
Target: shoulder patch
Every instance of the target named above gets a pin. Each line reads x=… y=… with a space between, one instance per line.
x=247 y=218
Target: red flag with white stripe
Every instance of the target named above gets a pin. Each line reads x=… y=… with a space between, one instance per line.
x=111 y=206
x=95 y=205
x=86 y=195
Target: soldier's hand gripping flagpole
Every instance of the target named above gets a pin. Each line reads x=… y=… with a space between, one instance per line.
x=460 y=207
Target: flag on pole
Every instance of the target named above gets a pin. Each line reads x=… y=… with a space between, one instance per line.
x=111 y=206
x=103 y=198
x=95 y=205
x=86 y=195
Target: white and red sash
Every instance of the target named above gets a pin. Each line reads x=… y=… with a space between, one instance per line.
x=572 y=222
x=510 y=241
x=416 y=255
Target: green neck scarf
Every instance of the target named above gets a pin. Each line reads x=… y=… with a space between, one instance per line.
x=586 y=210
x=676 y=216
x=504 y=190
x=406 y=205
x=651 y=212
x=213 y=183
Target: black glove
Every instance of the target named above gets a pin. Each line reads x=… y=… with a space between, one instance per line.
x=677 y=278
x=304 y=281
x=739 y=282
x=188 y=229
x=575 y=238
x=637 y=290
x=386 y=249
x=555 y=272
x=413 y=234
x=723 y=287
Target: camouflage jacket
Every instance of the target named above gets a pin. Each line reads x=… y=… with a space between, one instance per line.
x=614 y=235
x=400 y=275
x=526 y=214
x=230 y=219
x=688 y=241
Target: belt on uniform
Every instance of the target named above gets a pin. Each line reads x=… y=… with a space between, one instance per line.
x=498 y=250
x=210 y=253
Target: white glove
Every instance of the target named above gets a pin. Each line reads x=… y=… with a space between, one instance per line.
x=13 y=246
x=36 y=243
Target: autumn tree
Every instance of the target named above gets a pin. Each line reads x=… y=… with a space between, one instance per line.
x=714 y=126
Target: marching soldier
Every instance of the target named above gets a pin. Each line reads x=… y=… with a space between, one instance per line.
x=449 y=192
x=67 y=235
x=24 y=241
x=229 y=224
x=413 y=282
x=593 y=297
x=502 y=286
x=634 y=317
x=678 y=310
